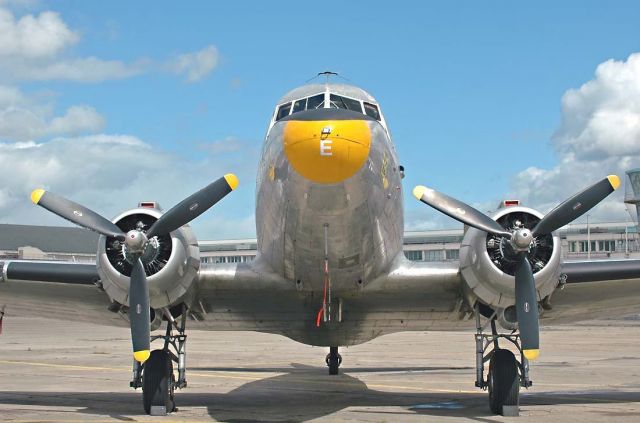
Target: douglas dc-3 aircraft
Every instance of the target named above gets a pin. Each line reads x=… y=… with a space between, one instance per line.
x=330 y=270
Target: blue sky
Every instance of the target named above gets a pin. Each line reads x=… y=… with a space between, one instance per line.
x=472 y=93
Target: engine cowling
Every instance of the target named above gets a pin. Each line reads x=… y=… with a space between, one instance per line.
x=488 y=265
x=171 y=261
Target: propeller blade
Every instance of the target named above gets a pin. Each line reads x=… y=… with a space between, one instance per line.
x=459 y=211
x=139 y=316
x=76 y=213
x=527 y=308
x=193 y=206
x=576 y=206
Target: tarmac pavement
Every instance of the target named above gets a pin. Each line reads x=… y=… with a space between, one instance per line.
x=76 y=372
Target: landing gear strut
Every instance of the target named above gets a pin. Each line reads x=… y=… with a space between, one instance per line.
x=506 y=375
x=333 y=360
x=155 y=376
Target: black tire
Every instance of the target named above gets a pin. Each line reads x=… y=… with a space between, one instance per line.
x=334 y=359
x=334 y=367
x=157 y=382
x=504 y=380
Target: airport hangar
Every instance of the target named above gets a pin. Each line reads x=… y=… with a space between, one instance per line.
x=612 y=240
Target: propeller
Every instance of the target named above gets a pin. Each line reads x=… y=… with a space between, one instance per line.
x=136 y=241
x=521 y=240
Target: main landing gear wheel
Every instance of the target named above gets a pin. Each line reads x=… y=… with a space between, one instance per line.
x=158 y=382
x=333 y=360
x=504 y=381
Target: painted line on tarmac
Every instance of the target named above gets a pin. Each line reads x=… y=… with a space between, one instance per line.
x=63 y=366
x=76 y=367
x=416 y=388
x=224 y=375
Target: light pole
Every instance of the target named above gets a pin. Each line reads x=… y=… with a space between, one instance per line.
x=588 y=239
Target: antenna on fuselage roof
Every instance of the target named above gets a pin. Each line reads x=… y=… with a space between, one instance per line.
x=327 y=75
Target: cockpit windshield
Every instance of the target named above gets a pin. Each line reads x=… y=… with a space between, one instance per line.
x=315 y=102
x=340 y=102
x=336 y=101
x=309 y=103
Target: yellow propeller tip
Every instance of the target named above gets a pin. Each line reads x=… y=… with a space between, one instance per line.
x=418 y=191
x=614 y=180
x=531 y=354
x=232 y=180
x=141 y=356
x=36 y=195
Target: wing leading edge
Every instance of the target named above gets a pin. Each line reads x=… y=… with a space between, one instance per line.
x=600 y=270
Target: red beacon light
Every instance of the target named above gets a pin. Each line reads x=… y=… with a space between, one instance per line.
x=510 y=203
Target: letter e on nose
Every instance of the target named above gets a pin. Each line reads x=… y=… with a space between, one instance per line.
x=325 y=148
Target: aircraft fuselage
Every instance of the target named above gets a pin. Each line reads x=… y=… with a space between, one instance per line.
x=329 y=180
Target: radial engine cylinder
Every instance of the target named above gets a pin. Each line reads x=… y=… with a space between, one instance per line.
x=171 y=261
x=488 y=262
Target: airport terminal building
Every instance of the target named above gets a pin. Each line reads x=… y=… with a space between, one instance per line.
x=617 y=240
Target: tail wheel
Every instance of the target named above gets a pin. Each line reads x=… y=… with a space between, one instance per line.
x=504 y=381
x=158 y=382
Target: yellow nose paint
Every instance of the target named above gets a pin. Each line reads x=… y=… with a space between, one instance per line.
x=327 y=151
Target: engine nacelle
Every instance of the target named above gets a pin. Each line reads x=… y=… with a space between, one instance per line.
x=488 y=267
x=171 y=262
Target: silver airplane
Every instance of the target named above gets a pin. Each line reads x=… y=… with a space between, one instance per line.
x=330 y=270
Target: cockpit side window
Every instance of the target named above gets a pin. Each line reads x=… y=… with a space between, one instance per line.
x=340 y=102
x=372 y=110
x=283 y=111
x=315 y=102
x=299 y=105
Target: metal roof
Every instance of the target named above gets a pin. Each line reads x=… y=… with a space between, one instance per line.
x=50 y=239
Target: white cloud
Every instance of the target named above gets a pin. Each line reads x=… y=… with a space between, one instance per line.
x=599 y=135
x=32 y=36
x=195 y=66
x=112 y=173
x=32 y=47
x=11 y=96
x=23 y=118
x=76 y=120
x=89 y=69
x=19 y=124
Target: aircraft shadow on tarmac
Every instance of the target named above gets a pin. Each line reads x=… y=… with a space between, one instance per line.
x=304 y=394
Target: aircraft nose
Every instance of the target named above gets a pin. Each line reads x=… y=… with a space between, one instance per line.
x=327 y=146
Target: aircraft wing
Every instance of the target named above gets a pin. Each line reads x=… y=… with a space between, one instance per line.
x=430 y=295
x=59 y=290
x=73 y=291
x=248 y=296
x=595 y=290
